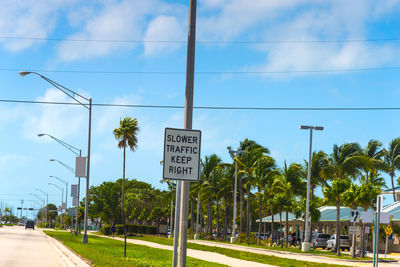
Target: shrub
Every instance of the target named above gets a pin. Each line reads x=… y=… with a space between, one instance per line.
x=106 y=229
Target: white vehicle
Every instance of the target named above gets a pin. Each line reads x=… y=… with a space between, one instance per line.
x=345 y=242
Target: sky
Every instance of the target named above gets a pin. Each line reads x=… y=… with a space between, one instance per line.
x=258 y=54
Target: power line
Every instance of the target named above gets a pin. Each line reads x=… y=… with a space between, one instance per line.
x=210 y=107
x=207 y=72
x=202 y=42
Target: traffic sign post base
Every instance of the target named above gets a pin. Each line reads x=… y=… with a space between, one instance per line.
x=305 y=246
x=233 y=239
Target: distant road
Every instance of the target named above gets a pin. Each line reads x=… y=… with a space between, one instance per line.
x=22 y=248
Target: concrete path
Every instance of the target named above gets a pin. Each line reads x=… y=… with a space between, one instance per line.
x=198 y=254
x=289 y=255
x=27 y=247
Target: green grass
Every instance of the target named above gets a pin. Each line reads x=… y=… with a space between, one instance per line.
x=242 y=255
x=107 y=252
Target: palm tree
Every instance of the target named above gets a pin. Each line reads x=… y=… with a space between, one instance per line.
x=248 y=162
x=343 y=163
x=210 y=187
x=126 y=135
x=263 y=172
x=392 y=160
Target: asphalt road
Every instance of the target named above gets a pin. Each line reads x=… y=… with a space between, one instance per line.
x=20 y=248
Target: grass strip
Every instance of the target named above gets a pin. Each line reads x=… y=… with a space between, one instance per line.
x=242 y=255
x=108 y=253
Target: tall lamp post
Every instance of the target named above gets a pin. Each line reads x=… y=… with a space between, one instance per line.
x=305 y=246
x=88 y=106
x=47 y=203
x=40 y=199
x=77 y=152
x=234 y=154
x=62 y=197
x=66 y=190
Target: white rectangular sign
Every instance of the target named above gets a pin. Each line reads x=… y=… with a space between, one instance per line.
x=74 y=190
x=384 y=218
x=181 y=154
x=367 y=216
x=80 y=167
x=354 y=230
x=354 y=216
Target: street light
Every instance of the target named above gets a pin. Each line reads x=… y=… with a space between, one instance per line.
x=62 y=197
x=66 y=190
x=63 y=164
x=234 y=154
x=305 y=246
x=77 y=152
x=47 y=202
x=88 y=106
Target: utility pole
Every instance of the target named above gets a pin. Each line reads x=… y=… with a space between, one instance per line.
x=22 y=205
x=183 y=225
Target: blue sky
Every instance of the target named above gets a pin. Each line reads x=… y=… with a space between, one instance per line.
x=301 y=38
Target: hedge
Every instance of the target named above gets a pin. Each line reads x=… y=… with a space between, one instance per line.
x=131 y=229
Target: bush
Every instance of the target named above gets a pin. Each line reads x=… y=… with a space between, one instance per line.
x=131 y=229
x=106 y=229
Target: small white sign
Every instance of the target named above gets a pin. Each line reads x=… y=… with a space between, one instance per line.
x=75 y=201
x=354 y=230
x=366 y=229
x=182 y=154
x=384 y=218
x=74 y=190
x=367 y=216
x=80 y=167
x=354 y=216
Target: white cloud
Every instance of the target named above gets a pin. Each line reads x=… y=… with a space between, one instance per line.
x=8 y=160
x=124 y=20
x=163 y=28
x=28 y=18
x=58 y=120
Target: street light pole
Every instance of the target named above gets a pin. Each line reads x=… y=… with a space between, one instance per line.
x=88 y=106
x=79 y=186
x=305 y=246
x=234 y=155
x=66 y=191
x=62 y=197
x=47 y=203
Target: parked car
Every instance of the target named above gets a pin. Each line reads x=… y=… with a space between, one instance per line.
x=319 y=240
x=345 y=242
x=30 y=224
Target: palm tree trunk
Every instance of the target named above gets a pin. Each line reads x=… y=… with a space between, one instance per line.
x=286 y=227
x=272 y=227
x=192 y=220
x=280 y=226
x=260 y=220
x=241 y=205
x=122 y=200
x=265 y=228
x=217 y=203
x=210 y=219
x=248 y=213
x=338 y=227
x=201 y=216
x=226 y=218
x=394 y=194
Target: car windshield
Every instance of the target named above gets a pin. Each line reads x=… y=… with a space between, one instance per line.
x=323 y=236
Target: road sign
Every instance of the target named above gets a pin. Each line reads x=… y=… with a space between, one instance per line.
x=367 y=216
x=181 y=154
x=388 y=230
x=354 y=216
x=384 y=218
x=74 y=190
x=366 y=229
x=354 y=230
x=75 y=201
x=80 y=167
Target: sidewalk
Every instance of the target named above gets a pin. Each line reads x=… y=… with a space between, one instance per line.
x=291 y=255
x=198 y=254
